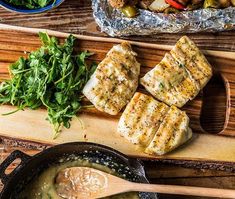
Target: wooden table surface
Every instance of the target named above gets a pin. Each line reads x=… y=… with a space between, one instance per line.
x=75 y=16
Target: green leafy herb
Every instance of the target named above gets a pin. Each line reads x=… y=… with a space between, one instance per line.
x=161 y=85
x=51 y=76
x=30 y=4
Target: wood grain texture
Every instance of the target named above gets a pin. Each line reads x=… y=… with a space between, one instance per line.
x=148 y=57
x=31 y=126
x=118 y=185
x=75 y=16
x=101 y=128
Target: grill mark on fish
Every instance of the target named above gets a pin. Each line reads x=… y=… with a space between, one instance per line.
x=195 y=61
x=186 y=71
x=153 y=125
x=180 y=137
x=159 y=112
x=132 y=124
x=114 y=81
x=164 y=132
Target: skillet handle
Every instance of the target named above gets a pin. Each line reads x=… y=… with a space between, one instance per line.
x=13 y=156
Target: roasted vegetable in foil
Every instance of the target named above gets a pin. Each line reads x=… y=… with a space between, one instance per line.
x=129 y=11
x=192 y=20
x=176 y=4
x=211 y=4
x=159 y=6
x=129 y=8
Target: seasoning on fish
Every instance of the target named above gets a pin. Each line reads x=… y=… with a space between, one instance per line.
x=141 y=119
x=180 y=75
x=153 y=125
x=187 y=54
x=173 y=132
x=115 y=80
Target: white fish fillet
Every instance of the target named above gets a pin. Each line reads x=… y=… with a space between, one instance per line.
x=115 y=80
x=141 y=119
x=172 y=132
x=154 y=126
x=171 y=83
x=187 y=72
x=188 y=54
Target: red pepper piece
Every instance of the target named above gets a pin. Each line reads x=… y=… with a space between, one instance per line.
x=175 y=4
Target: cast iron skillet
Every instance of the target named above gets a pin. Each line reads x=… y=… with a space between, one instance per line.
x=30 y=167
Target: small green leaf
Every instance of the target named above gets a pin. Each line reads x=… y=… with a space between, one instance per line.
x=161 y=85
x=52 y=76
x=30 y=4
x=59 y=97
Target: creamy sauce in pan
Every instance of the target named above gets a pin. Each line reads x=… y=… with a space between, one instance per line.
x=43 y=187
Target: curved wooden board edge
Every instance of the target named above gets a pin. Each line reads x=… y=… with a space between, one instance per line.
x=193 y=108
x=216 y=53
x=229 y=125
x=31 y=126
x=212 y=165
x=195 y=164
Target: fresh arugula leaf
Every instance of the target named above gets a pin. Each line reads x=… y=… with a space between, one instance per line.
x=53 y=76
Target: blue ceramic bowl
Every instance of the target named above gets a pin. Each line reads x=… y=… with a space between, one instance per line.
x=30 y=11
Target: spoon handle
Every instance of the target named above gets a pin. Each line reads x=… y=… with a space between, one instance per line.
x=184 y=190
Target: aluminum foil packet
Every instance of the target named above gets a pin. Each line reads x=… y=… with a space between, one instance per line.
x=114 y=23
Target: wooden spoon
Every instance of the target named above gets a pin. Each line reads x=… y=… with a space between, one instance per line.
x=85 y=182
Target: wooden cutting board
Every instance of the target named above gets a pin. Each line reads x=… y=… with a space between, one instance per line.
x=212 y=113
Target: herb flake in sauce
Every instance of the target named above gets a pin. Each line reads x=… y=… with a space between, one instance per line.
x=43 y=187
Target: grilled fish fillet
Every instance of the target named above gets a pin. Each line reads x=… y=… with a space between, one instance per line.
x=115 y=80
x=153 y=125
x=188 y=55
x=141 y=119
x=180 y=75
x=172 y=132
x=171 y=83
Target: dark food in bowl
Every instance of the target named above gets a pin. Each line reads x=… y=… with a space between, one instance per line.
x=130 y=8
x=29 y=4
